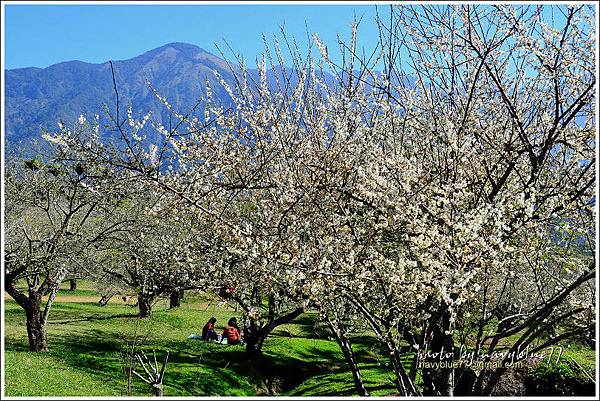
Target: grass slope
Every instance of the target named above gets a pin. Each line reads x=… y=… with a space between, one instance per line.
x=89 y=344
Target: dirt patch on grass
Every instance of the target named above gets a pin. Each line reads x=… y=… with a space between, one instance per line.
x=131 y=301
x=84 y=298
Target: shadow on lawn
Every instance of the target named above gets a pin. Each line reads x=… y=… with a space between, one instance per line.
x=90 y=352
x=195 y=367
x=270 y=373
x=215 y=374
x=344 y=387
x=94 y=318
x=190 y=371
x=276 y=372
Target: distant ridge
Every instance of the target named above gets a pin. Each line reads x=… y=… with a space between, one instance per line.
x=37 y=98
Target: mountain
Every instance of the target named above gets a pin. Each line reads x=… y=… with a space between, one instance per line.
x=36 y=99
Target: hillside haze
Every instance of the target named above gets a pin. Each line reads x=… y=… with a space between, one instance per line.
x=37 y=99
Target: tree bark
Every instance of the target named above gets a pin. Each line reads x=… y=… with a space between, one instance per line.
x=441 y=381
x=145 y=305
x=346 y=348
x=175 y=298
x=257 y=335
x=72 y=284
x=356 y=376
x=36 y=329
x=32 y=304
x=255 y=340
x=158 y=389
x=105 y=298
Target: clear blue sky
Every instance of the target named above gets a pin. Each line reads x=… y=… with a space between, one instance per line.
x=41 y=35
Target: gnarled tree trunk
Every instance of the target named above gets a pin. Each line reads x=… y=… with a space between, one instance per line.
x=72 y=284
x=36 y=318
x=145 y=305
x=175 y=298
x=256 y=336
x=440 y=381
x=36 y=328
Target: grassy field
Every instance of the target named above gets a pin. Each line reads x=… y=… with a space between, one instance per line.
x=89 y=346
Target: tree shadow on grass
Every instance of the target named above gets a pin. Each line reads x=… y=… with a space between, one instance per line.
x=195 y=367
x=269 y=373
x=94 y=318
x=14 y=313
x=338 y=386
x=90 y=352
x=103 y=355
x=306 y=319
x=198 y=379
x=12 y=344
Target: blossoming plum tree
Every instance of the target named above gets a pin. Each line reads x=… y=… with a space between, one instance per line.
x=57 y=217
x=439 y=189
x=469 y=186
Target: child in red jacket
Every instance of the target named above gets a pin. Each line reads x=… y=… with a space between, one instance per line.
x=208 y=331
x=232 y=332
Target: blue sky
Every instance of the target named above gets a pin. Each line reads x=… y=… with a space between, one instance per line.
x=42 y=35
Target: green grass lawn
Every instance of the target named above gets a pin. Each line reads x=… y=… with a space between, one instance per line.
x=89 y=346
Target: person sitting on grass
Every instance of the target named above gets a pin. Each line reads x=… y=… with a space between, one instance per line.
x=232 y=332
x=208 y=331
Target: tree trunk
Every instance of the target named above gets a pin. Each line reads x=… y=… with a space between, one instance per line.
x=36 y=329
x=346 y=348
x=32 y=304
x=72 y=284
x=255 y=340
x=256 y=337
x=158 y=389
x=175 y=298
x=145 y=305
x=440 y=381
x=404 y=384
x=105 y=298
